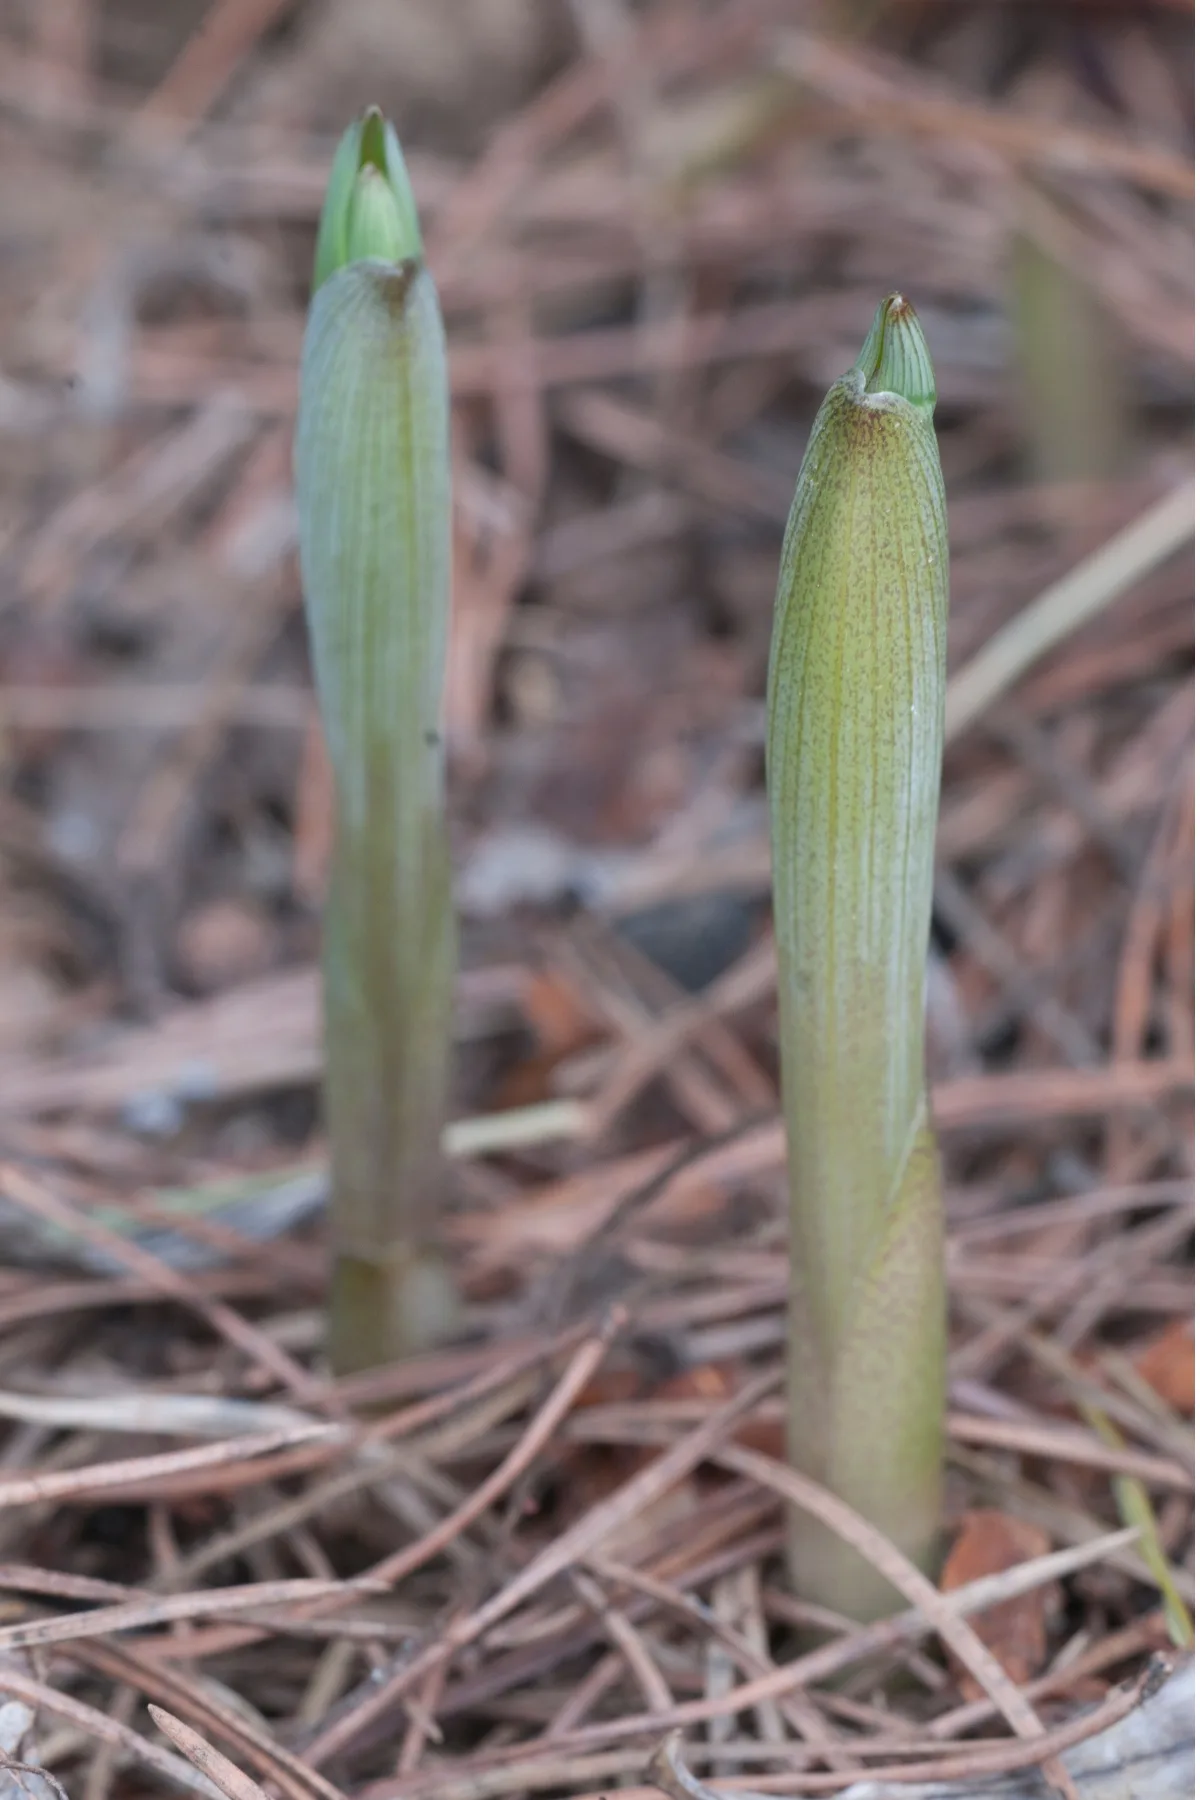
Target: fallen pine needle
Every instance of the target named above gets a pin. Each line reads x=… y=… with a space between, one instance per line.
x=669 y=1773
x=226 y=1775
x=1067 y=604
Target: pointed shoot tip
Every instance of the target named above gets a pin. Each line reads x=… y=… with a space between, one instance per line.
x=895 y=358
x=369 y=208
x=374 y=223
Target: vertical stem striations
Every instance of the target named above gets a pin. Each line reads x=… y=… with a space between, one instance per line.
x=373 y=495
x=854 y=747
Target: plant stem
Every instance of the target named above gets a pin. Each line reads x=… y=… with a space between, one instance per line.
x=373 y=492
x=854 y=743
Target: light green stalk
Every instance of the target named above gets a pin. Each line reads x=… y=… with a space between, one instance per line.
x=1072 y=365
x=373 y=496
x=855 y=705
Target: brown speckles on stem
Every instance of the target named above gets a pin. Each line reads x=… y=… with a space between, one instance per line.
x=854 y=738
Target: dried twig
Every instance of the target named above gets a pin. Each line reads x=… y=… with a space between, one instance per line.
x=220 y=1771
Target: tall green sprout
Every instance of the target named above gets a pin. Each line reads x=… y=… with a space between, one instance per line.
x=855 y=707
x=373 y=495
x=1071 y=363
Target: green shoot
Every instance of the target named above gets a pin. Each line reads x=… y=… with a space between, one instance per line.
x=855 y=708
x=373 y=495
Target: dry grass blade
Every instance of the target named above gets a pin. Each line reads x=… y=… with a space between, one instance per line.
x=183 y=1694
x=1070 y=1446
x=902 y=103
x=137 y=1615
x=224 y=1774
x=1133 y=1504
x=579 y=1371
x=227 y=33
x=1094 y=584
x=99 y=1478
x=585 y=1535
x=894 y=1567
x=494 y=1771
x=95 y=1724
x=34 y=1195
x=672 y=1776
x=174 y=1415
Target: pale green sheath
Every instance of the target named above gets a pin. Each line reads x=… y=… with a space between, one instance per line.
x=372 y=464
x=854 y=749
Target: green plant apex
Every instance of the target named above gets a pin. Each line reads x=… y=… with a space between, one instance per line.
x=374 y=227
x=895 y=358
x=369 y=208
x=372 y=153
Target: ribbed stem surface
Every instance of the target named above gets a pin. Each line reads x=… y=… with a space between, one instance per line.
x=854 y=740
x=372 y=480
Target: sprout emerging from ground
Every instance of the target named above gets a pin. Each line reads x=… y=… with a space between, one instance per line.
x=373 y=493
x=855 y=709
